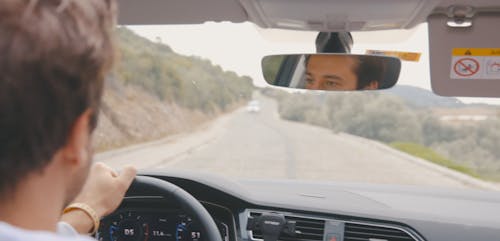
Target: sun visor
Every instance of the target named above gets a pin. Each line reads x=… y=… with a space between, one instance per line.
x=339 y=15
x=465 y=54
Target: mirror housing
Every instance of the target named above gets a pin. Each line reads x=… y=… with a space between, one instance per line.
x=331 y=72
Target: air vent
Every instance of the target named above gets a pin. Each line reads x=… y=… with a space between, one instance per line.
x=306 y=229
x=362 y=232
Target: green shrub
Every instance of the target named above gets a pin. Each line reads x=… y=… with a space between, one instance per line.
x=428 y=154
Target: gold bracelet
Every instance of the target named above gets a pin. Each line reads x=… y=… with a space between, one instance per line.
x=88 y=210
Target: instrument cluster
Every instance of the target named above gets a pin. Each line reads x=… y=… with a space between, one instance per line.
x=154 y=225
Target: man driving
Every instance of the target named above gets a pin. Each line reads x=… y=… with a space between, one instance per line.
x=54 y=57
x=341 y=72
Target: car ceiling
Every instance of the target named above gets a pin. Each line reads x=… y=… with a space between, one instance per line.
x=323 y=15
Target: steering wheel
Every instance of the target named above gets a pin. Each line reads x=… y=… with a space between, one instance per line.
x=188 y=203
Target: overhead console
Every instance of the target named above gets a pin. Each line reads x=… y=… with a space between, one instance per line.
x=339 y=15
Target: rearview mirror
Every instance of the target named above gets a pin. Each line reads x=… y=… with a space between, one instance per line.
x=335 y=72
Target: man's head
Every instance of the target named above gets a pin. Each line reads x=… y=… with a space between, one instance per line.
x=54 y=55
x=342 y=72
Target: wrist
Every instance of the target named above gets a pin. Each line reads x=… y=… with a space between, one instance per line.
x=98 y=209
x=79 y=220
x=84 y=218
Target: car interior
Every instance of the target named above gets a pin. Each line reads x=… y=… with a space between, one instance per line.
x=186 y=205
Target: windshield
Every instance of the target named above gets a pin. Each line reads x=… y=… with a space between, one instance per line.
x=193 y=98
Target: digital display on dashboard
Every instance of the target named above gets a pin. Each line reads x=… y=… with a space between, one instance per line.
x=153 y=226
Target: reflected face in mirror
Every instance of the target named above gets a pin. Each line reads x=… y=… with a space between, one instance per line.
x=336 y=72
x=331 y=72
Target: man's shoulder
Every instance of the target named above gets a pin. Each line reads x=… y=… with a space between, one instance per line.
x=11 y=233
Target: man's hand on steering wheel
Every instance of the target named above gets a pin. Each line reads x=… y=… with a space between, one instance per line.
x=103 y=192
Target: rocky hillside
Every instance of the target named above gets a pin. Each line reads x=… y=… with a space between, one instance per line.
x=155 y=92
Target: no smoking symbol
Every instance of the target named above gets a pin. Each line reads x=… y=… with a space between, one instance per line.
x=466 y=67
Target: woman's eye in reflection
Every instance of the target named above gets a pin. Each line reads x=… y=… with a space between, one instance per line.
x=309 y=81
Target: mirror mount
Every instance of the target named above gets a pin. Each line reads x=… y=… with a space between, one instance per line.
x=334 y=42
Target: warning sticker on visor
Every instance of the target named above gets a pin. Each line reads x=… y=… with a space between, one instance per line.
x=406 y=56
x=475 y=63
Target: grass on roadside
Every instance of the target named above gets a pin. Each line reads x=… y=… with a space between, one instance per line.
x=428 y=154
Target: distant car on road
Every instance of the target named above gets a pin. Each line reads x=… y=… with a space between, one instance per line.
x=253 y=106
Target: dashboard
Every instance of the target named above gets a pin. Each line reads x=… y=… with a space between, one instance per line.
x=316 y=211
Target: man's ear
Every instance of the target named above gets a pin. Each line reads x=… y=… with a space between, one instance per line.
x=75 y=151
x=372 y=86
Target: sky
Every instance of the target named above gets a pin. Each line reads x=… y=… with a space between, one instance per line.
x=240 y=47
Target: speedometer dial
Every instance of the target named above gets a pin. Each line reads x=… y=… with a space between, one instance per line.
x=125 y=227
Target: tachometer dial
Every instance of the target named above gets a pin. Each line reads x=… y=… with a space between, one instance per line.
x=187 y=230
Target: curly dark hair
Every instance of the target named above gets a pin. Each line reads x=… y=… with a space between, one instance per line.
x=54 y=56
x=369 y=69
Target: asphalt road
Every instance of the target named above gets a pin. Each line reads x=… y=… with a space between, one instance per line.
x=261 y=145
